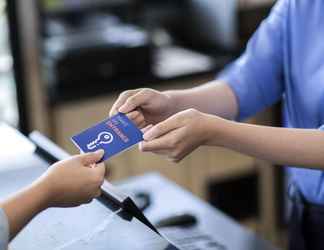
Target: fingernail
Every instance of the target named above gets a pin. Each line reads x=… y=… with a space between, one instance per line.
x=148 y=136
x=140 y=146
x=146 y=129
x=122 y=109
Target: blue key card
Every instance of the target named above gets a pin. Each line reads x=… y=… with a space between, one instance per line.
x=113 y=135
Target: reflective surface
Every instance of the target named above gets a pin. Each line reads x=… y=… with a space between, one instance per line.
x=118 y=233
x=92 y=226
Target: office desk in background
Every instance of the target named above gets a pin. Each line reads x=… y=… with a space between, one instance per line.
x=20 y=165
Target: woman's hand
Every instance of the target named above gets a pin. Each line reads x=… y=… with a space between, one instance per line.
x=74 y=181
x=177 y=136
x=144 y=106
x=66 y=184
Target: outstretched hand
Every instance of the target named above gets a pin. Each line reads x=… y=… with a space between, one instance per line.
x=144 y=106
x=68 y=183
x=74 y=181
x=177 y=136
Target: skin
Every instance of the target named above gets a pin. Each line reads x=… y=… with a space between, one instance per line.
x=177 y=122
x=148 y=106
x=68 y=183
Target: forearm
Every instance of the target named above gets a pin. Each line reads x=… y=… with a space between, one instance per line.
x=23 y=206
x=215 y=98
x=295 y=147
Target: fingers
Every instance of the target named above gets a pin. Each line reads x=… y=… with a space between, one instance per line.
x=100 y=172
x=134 y=115
x=89 y=199
x=121 y=100
x=147 y=128
x=144 y=130
x=138 y=118
x=160 y=144
x=135 y=101
x=92 y=158
x=161 y=147
x=172 y=145
x=161 y=152
x=97 y=176
x=163 y=128
x=98 y=194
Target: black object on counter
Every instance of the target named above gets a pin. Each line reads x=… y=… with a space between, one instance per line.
x=179 y=220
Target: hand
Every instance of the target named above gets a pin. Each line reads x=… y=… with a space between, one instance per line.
x=144 y=106
x=74 y=181
x=177 y=136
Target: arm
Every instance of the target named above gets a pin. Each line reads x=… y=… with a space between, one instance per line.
x=250 y=84
x=149 y=107
x=185 y=131
x=34 y=200
x=204 y=99
x=255 y=79
x=294 y=147
x=66 y=184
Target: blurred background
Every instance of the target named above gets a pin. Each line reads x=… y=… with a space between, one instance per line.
x=64 y=62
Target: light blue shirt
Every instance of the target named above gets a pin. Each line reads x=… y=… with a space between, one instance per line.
x=284 y=60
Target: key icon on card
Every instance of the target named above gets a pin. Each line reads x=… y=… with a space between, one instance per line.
x=114 y=135
x=103 y=138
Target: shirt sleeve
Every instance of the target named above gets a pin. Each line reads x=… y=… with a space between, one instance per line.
x=256 y=78
x=4 y=231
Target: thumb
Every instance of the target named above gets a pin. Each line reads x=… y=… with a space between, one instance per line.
x=134 y=102
x=92 y=158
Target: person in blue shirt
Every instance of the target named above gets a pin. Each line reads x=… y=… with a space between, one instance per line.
x=283 y=61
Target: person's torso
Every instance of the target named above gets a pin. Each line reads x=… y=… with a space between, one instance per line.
x=303 y=50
